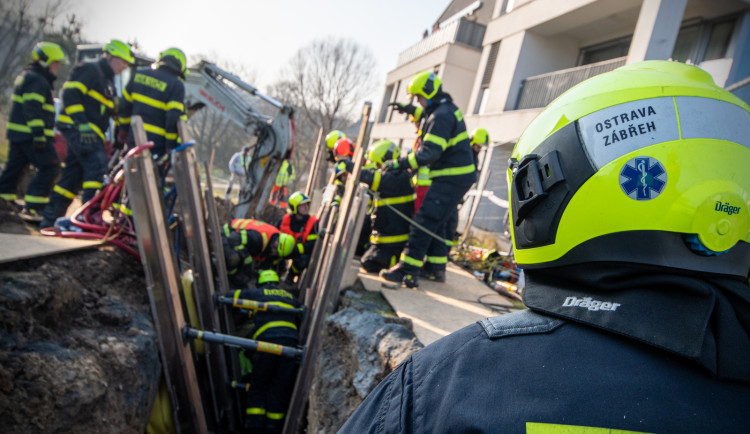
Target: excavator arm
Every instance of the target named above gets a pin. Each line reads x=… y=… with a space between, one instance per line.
x=209 y=85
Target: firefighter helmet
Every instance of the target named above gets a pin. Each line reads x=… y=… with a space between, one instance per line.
x=480 y=137
x=382 y=151
x=266 y=276
x=645 y=164
x=47 y=52
x=333 y=137
x=174 y=58
x=296 y=199
x=344 y=149
x=425 y=83
x=119 y=49
x=286 y=245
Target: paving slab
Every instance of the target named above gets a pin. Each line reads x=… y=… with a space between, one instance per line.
x=438 y=309
x=15 y=247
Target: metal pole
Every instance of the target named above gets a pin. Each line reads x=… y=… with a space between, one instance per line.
x=257 y=305
x=248 y=344
x=314 y=168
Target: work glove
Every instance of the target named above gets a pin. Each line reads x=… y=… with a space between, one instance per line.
x=87 y=134
x=391 y=165
x=409 y=109
x=40 y=142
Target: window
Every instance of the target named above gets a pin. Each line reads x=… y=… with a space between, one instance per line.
x=704 y=40
x=487 y=77
x=604 y=51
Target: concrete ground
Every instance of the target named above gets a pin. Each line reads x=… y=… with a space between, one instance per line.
x=437 y=309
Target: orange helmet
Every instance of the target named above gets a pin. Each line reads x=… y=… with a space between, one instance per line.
x=344 y=149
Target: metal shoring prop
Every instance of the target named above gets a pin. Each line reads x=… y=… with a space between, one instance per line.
x=313 y=176
x=162 y=279
x=481 y=184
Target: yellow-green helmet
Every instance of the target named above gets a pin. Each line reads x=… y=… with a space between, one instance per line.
x=266 y=276
x=119 y=49
x=425 y=83
x=47 y=52
x=645 y=164
x=480 y=137
x=382 y=151
x=174 y=58
x=333 y=137
x=286 y=245
x=295 y=200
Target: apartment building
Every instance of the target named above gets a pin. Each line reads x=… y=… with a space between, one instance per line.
x=504 y=60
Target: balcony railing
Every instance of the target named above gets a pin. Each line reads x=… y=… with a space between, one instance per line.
x=462 y=31
x=540 y=90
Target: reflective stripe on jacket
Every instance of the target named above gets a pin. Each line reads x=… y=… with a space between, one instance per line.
x=88 y=97
x=32 y=113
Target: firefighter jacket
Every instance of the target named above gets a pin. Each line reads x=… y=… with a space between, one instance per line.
x=33 y=111
x=394 y=192
x=443 y=144
x=158 y=96
x=304 y=231
x=269 y=326
x=636 y=350
x=88 y=97
x=251 y=239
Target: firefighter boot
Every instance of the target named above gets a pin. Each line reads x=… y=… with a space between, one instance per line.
x=434 y=275
x=401 y=274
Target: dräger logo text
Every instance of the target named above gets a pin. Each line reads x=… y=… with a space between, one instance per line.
x=727 y=208
x=590 y=304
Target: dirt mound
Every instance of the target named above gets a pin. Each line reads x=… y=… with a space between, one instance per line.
x=77 y=345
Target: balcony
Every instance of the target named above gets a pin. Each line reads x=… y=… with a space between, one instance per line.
x=540 y=90
x=460 y=31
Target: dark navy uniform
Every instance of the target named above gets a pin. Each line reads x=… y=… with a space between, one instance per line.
x=272 y=377
x=305 y=232
x=247 y=241
x=31 y=137
x=643 y=352
x=157 y=95
x=444 y=147
x=88 y=98
x=390 y=231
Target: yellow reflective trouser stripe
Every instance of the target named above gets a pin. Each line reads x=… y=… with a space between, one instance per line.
x=49 y=132
x=450 y=243
x=75 y=85
x=227 y=232
x=272 y=324
x=396 y=200
x=65 y=119
x=33 y=96
x=35 y=199
x=411 y=261
x=76 y=108
x=437 y=259
x=376 y=181
x=101 y=98
x=91 y=184
x=436 y=140
x=275 y=416
x=171 y=136
x=124 y=121
x=123 y=209
x=18 y=127
x=175 y=105
x=452 y=171
x=412 y=158
x=255 y=411
x=35 y=123
x=549 y=428
x=387 y=239
x=8 y=196
x=149 y=101
x=154 y=129
x=63 y=192
x=17 y=98
x=458 y=138
x=48 y=107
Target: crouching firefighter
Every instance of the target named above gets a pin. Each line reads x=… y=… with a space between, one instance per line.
x=248 y=241
x=272 y=376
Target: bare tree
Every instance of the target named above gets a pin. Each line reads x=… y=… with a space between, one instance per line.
x=22 y=26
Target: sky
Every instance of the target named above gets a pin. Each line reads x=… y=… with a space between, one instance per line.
x=260 y=35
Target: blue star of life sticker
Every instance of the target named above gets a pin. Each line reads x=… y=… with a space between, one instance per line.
x=643 y=178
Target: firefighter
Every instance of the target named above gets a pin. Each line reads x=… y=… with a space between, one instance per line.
x=285 y=175
x=634 y=240
x=344 y=149
x=30 y=130
x=157 y=94
x=247 y=242
x=272 y=376
x=88 y=104
x=298 y=223
x=394 y=199
x=331 y=139
x=444 y=147
x=238 y=165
